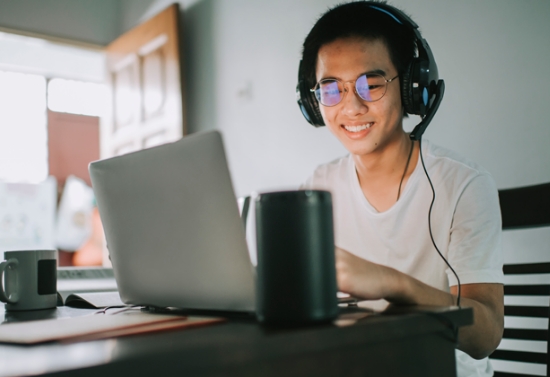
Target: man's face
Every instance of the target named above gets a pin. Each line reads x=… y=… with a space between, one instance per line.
x=362 y=127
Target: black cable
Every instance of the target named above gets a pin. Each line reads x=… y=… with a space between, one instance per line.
x=430 y=223
x=405 y=171
x=122 y=307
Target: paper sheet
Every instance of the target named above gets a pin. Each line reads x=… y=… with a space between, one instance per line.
x=96 y=326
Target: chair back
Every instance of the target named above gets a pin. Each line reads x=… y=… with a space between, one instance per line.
x=524 y=347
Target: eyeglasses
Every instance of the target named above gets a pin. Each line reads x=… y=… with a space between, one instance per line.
x=370 y=87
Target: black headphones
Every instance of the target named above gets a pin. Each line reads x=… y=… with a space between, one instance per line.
x=421 y=89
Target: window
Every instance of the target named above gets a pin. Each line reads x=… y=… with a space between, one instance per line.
x=37 y=75
x=77 y=97
x=23 y=147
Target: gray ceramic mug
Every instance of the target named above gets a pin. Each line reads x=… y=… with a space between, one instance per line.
x=28 y=279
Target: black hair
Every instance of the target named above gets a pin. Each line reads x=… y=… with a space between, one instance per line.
x=358 y=19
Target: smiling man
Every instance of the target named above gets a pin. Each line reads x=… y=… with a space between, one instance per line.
x=392 y=241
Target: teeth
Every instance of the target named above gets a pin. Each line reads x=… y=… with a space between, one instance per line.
x=358 y=128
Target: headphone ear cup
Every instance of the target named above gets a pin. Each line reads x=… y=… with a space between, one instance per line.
x=418 y=87
x=308 y=104
x=407 y=90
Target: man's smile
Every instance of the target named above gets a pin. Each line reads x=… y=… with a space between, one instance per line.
x=358 y=128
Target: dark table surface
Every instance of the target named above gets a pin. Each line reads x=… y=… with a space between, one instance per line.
x=391 y=341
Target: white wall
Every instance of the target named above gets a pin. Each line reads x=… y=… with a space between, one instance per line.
x=242 y=58
x=492 y=54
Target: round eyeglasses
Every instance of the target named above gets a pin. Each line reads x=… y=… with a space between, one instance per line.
x=370 y=87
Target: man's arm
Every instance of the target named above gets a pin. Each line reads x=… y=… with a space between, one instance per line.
x=487 y=300
x=363 y=279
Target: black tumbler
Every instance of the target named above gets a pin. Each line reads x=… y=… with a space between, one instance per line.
x=296 y=273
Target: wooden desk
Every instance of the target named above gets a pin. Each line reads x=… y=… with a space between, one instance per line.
x=409 y=343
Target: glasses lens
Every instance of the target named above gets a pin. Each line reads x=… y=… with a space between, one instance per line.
x=371 y=87
x=328 y=93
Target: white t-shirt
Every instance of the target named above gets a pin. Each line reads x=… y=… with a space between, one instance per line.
x=465 y=221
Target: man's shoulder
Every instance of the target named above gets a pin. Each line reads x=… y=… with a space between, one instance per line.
x=328 y=174
x=450 y=160
x=455 y=173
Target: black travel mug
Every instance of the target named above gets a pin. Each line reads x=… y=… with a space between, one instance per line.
x=296 y=273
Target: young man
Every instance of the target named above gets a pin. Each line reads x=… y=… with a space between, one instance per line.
x=355 y=60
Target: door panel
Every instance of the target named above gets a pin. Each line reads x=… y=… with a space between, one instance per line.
x=125 y=79
x=144 y=68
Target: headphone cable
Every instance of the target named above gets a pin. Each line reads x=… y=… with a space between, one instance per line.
x=430 y=222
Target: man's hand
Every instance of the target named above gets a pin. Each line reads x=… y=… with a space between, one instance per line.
x=361 y=278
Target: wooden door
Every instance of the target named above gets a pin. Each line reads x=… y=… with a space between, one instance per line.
x=144 y=69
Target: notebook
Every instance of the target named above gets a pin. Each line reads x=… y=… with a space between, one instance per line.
x=173 y=229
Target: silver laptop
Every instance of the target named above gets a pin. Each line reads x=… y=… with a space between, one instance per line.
x=173 y=228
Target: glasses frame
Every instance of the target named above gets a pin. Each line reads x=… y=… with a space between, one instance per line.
x=387 y=81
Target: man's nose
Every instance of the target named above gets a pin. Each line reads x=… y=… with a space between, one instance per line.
x=353 y=104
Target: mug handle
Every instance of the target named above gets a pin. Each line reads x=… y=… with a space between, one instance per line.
x=4 y=297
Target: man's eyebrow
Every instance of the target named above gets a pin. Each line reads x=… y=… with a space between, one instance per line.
x=329 y=78
x=368 y=73
x=375 y=72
